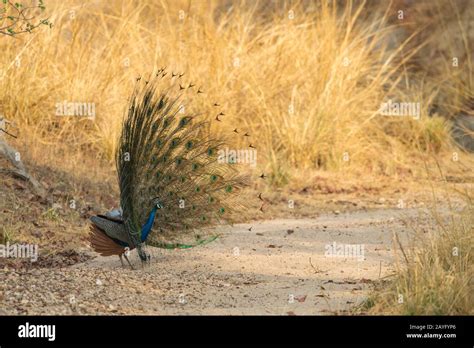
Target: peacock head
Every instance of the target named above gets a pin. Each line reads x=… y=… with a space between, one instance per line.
x=157 y=203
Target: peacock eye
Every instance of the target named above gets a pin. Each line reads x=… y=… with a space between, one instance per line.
x=174 y=142
x=213 y=178
x=189 y=145
x=210 y=152
x=228 y=188
x=183 y=122
x=222 y=210
x=161 y=104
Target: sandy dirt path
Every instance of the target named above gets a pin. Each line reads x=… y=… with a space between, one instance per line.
x=278 y=267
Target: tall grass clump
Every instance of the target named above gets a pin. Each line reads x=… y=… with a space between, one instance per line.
x=435 y=272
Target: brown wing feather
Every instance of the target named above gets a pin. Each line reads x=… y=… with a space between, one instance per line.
x=102 y=244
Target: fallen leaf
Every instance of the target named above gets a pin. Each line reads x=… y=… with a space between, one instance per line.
x=19 y=186
x=300 y=298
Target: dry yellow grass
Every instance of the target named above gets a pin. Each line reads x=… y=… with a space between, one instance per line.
x=435 y=274
x=306 y=81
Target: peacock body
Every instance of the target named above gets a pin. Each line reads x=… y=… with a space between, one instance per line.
x=172 y=185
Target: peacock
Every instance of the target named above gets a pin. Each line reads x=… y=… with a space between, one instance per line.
x=173 y=184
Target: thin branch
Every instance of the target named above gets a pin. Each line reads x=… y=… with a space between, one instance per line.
x=21 y=19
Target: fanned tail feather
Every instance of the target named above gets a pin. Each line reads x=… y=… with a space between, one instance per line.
x=169 y=156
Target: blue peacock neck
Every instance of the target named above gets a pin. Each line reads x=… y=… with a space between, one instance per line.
x=146 y=228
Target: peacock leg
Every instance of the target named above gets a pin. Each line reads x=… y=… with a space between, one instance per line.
x=121 y=260
x=126 y=258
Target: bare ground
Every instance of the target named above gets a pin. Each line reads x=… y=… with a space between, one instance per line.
x=275 y=267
